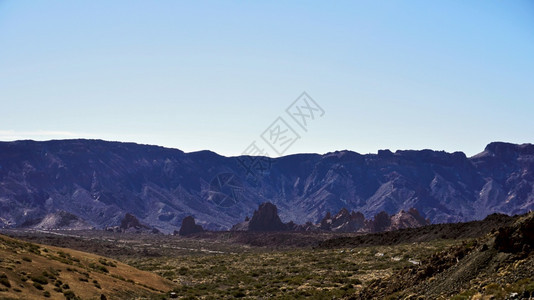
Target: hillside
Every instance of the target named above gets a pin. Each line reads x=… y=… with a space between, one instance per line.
x=98 y=182
x=32 y=271
x=497 y=266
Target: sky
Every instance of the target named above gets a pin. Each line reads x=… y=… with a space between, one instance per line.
x=219 y=75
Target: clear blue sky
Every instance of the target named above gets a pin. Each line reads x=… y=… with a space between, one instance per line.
x=444 y=75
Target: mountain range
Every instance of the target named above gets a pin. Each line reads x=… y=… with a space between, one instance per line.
x=97 y=182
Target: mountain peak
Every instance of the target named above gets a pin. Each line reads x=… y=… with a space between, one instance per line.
x=502 y=148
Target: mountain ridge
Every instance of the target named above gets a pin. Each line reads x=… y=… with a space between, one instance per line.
x=100 y=181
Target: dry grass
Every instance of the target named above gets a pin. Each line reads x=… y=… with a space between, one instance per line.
x=32 y=271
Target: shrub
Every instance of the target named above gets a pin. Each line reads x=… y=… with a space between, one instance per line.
x=69 y=294
x=37 y=285
x=239 y=294
x=4 y=281
x=39 y=279
x=107 y=263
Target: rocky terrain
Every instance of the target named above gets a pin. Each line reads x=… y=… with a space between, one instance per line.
x=497 y=266
x=99 y=182
x=266 y=218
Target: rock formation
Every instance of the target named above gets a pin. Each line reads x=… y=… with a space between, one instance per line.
x=189 y=226
x=265 y=218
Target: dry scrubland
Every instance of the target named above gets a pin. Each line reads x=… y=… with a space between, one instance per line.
x=227 y=266
x=31 y=271
x=291 y=273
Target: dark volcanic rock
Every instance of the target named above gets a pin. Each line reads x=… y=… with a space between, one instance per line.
x=517 y=237
x=265 y=218
x=381 y=222
x=130 y=221
x=189 y=226
x=131 y=224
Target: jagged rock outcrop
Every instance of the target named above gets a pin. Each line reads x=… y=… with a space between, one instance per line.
x=189 y=226
x=407 y=219
x=343 y=221
x=265 y=218
x=130 y=221
x=381 y=222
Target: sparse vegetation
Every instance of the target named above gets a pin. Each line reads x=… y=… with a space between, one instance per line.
x=47 y=276
x=213 y=268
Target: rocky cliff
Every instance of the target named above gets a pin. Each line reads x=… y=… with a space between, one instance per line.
x=100 y=181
